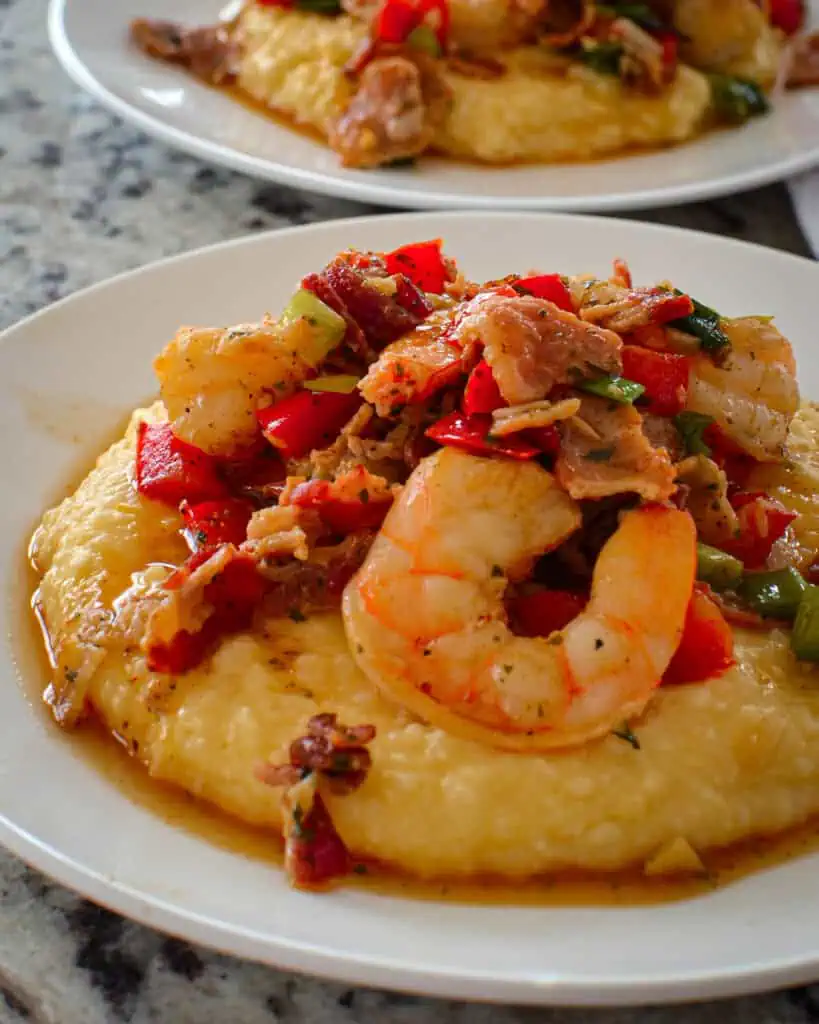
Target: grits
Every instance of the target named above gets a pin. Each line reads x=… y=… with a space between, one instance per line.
x=543 y=109
x=718 y=762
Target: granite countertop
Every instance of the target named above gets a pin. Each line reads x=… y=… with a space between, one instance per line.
x=81 y=197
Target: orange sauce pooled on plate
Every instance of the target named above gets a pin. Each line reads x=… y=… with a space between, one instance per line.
x=180 y=810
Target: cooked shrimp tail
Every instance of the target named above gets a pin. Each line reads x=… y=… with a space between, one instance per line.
x=425 y=614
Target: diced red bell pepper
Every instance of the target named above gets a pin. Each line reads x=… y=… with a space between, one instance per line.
x=342 y=514
x=762 y=521
x=543 y=612
x=211 y=523
x=170 y=470
x=671 y=48
x=547 y=286
x=314 y=852
x=547 y=439
x=234 y=595
x=788 y=15
x=421 y=262
x=306 y=420
x=733 y=460
x=482 y=394
x=707 y=645
x=185 y=651
x=663 y=375
x=666 y=307
x=471 y=433
x=398 y=18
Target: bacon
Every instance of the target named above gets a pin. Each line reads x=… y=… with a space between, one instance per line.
x=374 y=318
x=209 y=52
x=532 y=345
x=610 y=454
x=328 y=754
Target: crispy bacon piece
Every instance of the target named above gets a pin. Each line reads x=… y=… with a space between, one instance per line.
x=803 y=68
x=210 y=52
x=532 y=345
x=605 y=452
x=637 y=308
x=328 y=754
x=374 y=317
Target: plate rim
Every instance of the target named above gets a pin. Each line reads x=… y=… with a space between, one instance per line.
x=379 y=194
x=154 y=911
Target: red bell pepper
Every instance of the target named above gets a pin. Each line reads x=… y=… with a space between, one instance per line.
x=547 y=439
x=314 y=852
x=211 y=523
x=667 y=307
x=471 y=433
x=671 y=48
x=234 y=595
x=663 y=375
x=728 y=455
x=354 y=501
x=543 y=612
x=398 y=18
x=762 y=521
x=170 y=470
x=549 y=287
x=482 y=394
x=788 y=15
x=422 y=262
x=707 y=645
x=306 y=420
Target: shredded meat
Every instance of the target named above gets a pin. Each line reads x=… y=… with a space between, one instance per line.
x=211 y=52
x=532 y=345
x=393 y=114
x=315 y=584
x=610 y=454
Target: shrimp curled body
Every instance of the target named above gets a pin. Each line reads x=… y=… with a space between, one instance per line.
x=426 y=622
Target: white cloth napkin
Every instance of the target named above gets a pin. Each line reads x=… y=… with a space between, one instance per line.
x=804 y=190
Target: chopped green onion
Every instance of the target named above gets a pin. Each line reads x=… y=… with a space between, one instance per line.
x=603 y=57
x=774 y=595
x=737 y=100
x=616 y=389
x=319 y=6
x=328 y=327
x=704 y=323
x=805 y=635
x=691 y=427
x=718 y=568
x=423 y=38
x=641 y=14
x=340 y=384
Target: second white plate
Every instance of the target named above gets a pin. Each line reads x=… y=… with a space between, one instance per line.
x=90 y=37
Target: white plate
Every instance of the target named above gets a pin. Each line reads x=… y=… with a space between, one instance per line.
x=90 y=38
x=73 y=371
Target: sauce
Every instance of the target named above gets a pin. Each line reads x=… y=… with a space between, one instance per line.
x=180 y=810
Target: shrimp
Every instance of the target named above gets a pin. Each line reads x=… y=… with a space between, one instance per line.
x=732 y=36
x=425 y=615
x=752 y=395
x=212 y=380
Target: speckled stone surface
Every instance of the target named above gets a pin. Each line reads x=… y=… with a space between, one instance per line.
x=81 y=197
